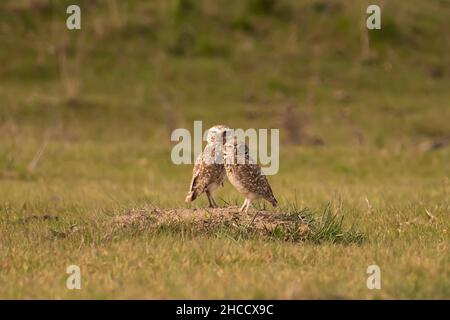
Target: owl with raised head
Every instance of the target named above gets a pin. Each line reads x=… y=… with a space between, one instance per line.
x=209 y=172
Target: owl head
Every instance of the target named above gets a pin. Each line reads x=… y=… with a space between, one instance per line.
x=236 y=152
x=216 y=134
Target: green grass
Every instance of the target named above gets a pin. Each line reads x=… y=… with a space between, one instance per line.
x=99 y=138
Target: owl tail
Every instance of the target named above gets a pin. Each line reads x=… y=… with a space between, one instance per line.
x=192 y=195
x=273 y=201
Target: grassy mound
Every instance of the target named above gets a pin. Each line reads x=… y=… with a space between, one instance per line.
x=289 y=225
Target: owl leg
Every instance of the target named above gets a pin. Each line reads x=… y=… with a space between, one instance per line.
x=243 y=205
x=249 y=202
x=212 y=203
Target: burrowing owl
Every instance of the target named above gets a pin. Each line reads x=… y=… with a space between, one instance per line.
x=245 y=174
x=209 y=172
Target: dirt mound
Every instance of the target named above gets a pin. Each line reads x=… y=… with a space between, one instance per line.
x=255 y=222
x=291 y=225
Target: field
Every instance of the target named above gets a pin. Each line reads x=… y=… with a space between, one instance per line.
x=86 y=176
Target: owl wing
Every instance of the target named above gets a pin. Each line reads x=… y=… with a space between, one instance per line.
x=259 y=183
x=194 y=186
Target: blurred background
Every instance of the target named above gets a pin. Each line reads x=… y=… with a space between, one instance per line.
x=90 y=111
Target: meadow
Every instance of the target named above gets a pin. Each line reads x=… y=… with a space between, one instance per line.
x=85 y=123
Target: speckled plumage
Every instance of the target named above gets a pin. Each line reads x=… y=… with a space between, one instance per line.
x=245 y=174
x=209 y=172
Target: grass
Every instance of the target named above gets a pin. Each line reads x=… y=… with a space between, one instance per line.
x=85 y=120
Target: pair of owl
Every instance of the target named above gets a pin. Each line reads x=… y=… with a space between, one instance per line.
x=224 y=156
